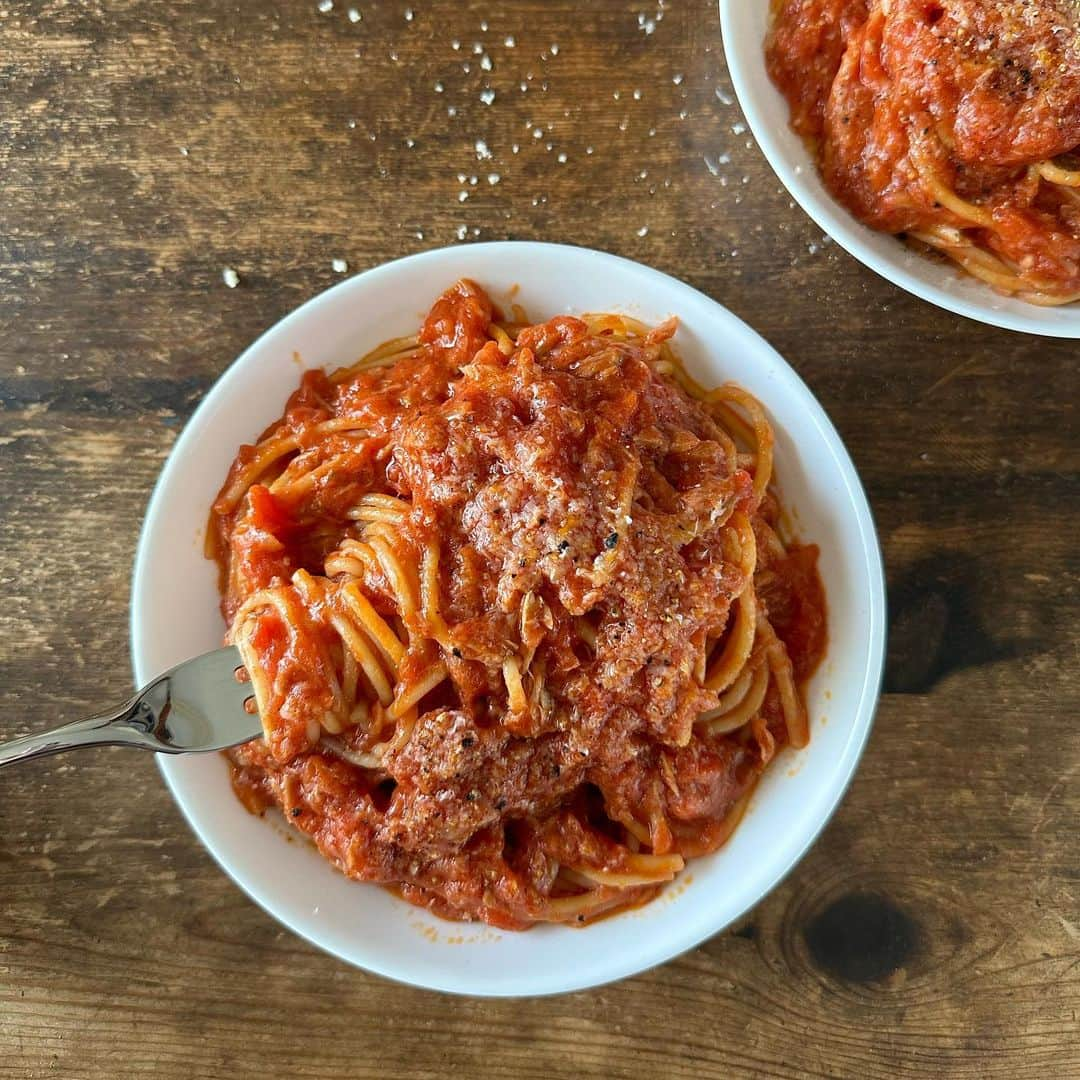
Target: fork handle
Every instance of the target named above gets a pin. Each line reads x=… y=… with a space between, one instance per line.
x=117 y=727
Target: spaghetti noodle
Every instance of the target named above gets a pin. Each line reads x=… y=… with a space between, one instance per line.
x=953 y=122
x=520 y=625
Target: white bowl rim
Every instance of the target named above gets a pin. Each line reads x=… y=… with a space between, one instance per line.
x=643 y=956
x=854 y=237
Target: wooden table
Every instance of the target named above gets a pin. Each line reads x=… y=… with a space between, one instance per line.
x=934 y=931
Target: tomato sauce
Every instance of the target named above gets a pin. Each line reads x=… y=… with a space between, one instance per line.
x=566 y=484
x=901 y=99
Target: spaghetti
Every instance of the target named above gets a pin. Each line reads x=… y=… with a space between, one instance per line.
x=520 y=624
x=953 y=122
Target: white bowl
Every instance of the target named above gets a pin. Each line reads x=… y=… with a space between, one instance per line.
x=175 y=615
x=743 y=24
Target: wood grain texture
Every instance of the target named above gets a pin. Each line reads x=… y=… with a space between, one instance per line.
x=934 y=931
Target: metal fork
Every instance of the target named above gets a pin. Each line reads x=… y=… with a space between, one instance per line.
x=199 y=705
